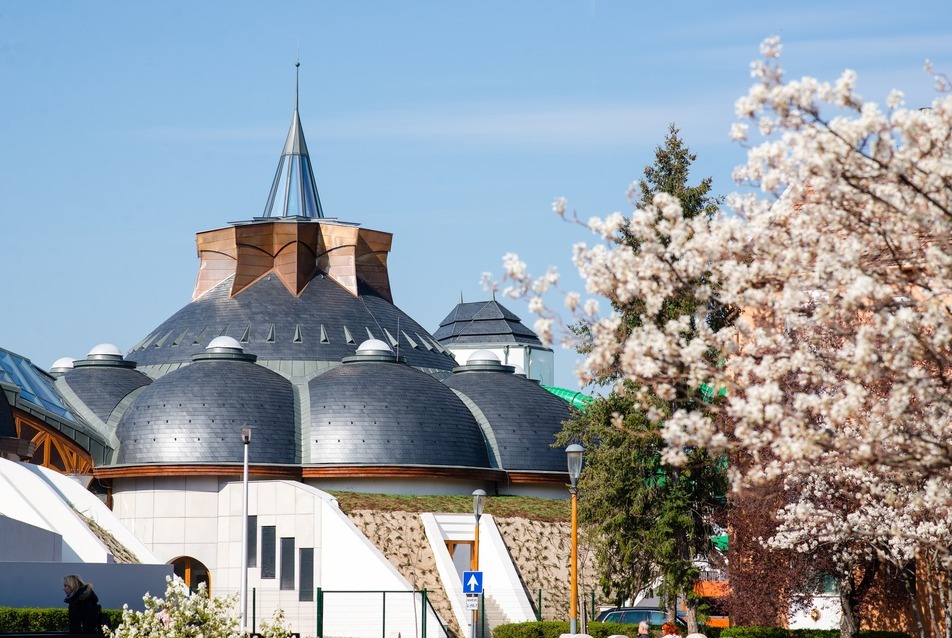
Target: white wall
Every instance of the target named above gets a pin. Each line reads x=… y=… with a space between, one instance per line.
x=22 y=541
x=202 y=518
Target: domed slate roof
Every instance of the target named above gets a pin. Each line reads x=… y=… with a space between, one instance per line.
x=483 y=322
x=522 y=416
x=101 y=381
x=324 y=323
x=373 y=410
x=194 y=415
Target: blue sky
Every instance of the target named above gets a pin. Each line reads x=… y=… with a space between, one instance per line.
x=125 y=128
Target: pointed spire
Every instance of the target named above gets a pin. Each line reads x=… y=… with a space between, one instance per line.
x=294 y=191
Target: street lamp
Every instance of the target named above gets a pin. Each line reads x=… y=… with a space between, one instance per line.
x=246 y=440
x=573 y=454
x=479 y=500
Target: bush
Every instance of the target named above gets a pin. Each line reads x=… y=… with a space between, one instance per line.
x=780 y=632
x=34 y=620
x=553 y=629
x=755 y=632
x=30 y=619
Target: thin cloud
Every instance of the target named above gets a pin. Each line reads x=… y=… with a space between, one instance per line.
x=566 y=127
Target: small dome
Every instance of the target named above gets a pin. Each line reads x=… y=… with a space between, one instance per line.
x=374 y=346
x=104 y=349
x=482 y=356
x=388 y=413
x=62 y=364
x=225 y=342
x=518 y=371
x=523 y=417
x=195 y=414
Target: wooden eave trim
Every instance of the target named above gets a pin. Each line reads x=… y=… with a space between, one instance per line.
x=254 y=471
x=298 y=473
x=402 y=471
x=539 y=477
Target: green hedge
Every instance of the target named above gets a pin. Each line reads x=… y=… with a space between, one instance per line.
x=553 y=629
x=780 y=632
x=33 y=620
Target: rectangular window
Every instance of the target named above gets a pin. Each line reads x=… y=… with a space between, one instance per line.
x=268 y=536
x=306 y=577
x=252 y=555
x=287 y=563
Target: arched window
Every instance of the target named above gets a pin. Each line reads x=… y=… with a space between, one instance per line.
x=193 y=572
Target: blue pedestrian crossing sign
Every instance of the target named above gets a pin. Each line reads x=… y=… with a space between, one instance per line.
x=473 y=582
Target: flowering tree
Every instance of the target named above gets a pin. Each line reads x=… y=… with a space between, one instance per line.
x=842 y=266
x=180 y=614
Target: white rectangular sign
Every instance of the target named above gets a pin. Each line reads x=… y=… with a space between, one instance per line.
x=472 y=603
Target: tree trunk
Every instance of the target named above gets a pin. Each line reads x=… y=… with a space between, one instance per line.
x=691 y=605
x=849 y=623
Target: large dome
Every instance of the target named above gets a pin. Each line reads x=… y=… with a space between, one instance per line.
x=194 y=415
x=377 y=411
x=323 y=324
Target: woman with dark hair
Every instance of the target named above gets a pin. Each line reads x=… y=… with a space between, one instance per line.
x=83 y=606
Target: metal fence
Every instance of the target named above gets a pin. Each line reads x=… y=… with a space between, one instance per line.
x=353 y=614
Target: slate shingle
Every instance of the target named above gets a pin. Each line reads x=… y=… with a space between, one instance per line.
x=195 y=414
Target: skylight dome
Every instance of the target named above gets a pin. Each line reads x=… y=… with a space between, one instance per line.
x=104 y=349
x=62 y=364
x=374 y=346
x=483 y=356
x=224 y=342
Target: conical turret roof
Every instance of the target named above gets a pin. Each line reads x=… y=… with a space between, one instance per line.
x=294 y=190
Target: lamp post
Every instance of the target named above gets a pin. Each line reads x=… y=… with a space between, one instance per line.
x=246 y=440
x=479 y=500
x=573 y=454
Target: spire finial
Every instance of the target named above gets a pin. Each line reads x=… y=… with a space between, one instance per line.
x=297 y=79
x=461 y=295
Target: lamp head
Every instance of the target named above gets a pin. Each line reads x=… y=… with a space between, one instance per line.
x=573 y=454
x=479 y=499
x=246 y=435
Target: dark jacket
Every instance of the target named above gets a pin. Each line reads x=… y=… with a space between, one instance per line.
x=84 y=611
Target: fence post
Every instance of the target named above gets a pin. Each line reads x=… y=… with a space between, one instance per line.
x=254 y=609
x=383 y=616
x=482 y=617
x=320 y=613
x=593 y=605
x=425 y=604
x=539 y=606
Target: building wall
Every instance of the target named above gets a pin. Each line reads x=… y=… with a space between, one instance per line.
x=201 y=518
